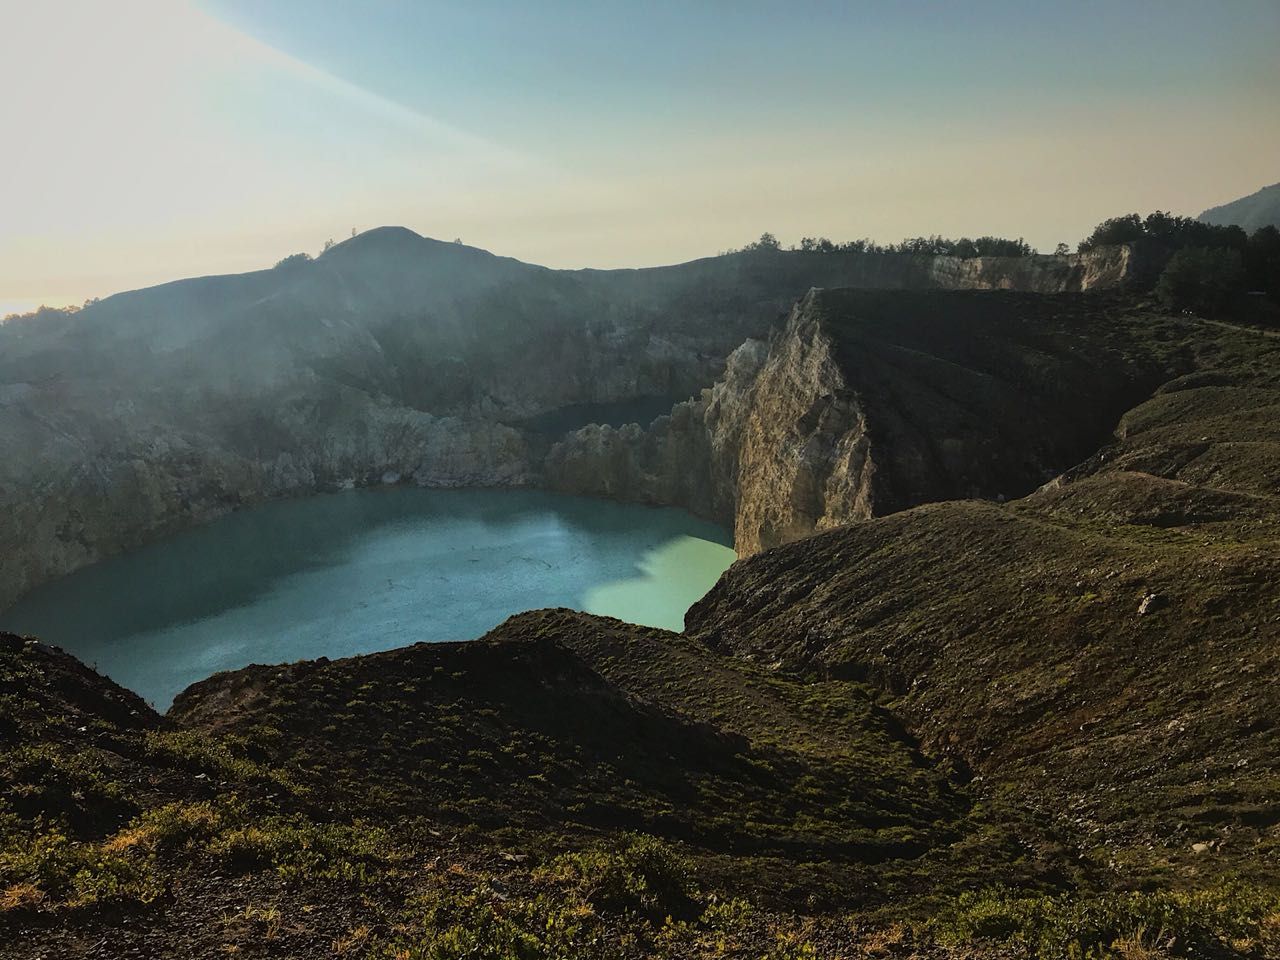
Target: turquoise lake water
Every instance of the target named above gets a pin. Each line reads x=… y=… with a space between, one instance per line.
x=349 y=573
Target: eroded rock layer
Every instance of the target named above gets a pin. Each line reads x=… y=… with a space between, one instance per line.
x=867 y=402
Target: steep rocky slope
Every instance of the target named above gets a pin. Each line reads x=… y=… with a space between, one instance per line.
x=866 y=402
x=390 y=358
x=1107 y=644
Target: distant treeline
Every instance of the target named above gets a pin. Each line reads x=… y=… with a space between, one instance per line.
x=1163 y=227
x=1210 y=268
x=932 y=246
x=44 y=313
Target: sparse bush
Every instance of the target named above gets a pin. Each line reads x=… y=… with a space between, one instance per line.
x=173 y=826
x=298 y=848
x=478 y=923
x=49 y=870
x=480 y=932
x=72 y=787
x=639 y=874
x=767 y=242
x=791 y=948
x=220 y=757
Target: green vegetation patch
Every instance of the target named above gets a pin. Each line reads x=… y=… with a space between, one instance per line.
x=1227 y=921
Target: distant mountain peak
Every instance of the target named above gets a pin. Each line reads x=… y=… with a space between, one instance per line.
x=1259 y=209
x=388 y=237
x=397 y=241
x=390 y=231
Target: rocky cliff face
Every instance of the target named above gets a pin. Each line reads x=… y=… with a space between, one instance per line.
x=688 y=458
x=75 y=495
x=805 y=459
x=1074 y=273
x=866 y=402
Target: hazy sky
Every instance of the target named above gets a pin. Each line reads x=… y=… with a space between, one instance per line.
x=146 y=140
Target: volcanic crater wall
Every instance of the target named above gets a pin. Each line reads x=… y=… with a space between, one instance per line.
x=869 y=402
x=398 y=359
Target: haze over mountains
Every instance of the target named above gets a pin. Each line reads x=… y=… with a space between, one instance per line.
x=275 y=126
x=1258 y=209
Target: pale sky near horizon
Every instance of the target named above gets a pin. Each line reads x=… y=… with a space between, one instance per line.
x=148 y=140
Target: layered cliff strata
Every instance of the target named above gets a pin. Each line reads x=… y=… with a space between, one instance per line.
x=868 y=402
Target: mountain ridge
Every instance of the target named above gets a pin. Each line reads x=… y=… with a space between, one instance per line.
x=1259 y=209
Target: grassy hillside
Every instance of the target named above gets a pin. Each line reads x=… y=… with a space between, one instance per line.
x=521 y=759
